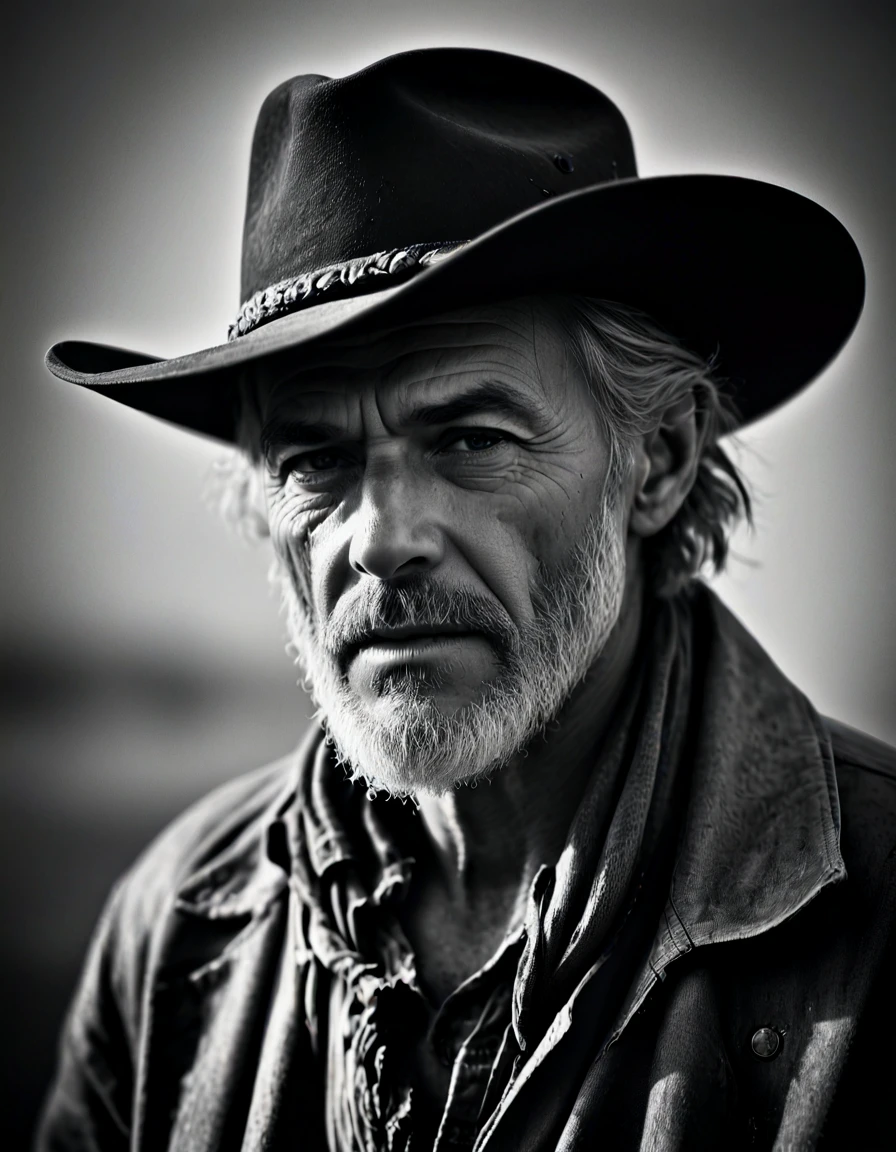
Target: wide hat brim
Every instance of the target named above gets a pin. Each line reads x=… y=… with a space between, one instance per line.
x=762 y=278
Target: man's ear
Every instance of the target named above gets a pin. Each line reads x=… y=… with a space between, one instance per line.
x=665 y=465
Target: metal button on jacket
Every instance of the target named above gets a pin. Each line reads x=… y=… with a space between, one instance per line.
x=766 y=1043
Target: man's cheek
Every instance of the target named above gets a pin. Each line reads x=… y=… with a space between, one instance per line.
x=294 y=516
x=290 y=541
x=290 y=529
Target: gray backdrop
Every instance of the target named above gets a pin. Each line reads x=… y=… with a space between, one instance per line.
x=141 y=654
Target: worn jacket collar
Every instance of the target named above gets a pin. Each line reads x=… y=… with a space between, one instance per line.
x=761 y=834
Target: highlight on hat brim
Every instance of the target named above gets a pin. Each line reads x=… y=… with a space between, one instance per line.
x=761 y=276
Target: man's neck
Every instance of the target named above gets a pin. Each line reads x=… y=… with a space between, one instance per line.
x=485 y=844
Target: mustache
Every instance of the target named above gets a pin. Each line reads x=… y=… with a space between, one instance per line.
x=421 y=602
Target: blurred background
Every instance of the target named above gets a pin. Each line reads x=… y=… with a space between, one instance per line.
x=141 y=654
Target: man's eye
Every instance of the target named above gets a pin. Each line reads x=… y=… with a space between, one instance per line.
x=310 y=463
x=475 y=441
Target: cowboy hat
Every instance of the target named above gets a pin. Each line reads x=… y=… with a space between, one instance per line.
x=448 y=177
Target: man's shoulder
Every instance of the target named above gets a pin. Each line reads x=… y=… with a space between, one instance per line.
x=232 y=815
x=855 y=749
x=203 y=863
x=865 y=769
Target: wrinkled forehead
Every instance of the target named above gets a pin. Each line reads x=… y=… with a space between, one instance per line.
x=517 y=344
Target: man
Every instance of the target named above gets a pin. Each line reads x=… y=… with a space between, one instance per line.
x=568 y=861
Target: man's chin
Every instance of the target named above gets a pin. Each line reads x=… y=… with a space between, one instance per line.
x=419 y=699
x=428 y=754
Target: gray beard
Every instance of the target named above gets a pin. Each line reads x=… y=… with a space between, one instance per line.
x=411 y=747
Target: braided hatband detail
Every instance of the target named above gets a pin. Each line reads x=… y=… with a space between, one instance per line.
x=298 y=291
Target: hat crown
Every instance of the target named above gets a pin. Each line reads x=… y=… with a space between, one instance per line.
x=525 y=177
x=426 y=147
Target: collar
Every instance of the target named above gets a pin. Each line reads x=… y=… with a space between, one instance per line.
x=762 y=827
x=761 y=830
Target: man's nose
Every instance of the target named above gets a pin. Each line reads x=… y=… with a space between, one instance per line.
x=396 y=531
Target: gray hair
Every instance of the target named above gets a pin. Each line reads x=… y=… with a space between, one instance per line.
x=636 y=372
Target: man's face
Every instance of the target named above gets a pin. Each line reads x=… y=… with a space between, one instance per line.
x=450 y=538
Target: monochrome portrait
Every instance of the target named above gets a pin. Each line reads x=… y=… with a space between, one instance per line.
x=449 y=662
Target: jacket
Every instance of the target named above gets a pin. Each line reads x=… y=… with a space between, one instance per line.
x=761 y=1017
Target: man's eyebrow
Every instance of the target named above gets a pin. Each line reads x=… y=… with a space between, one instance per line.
x=280 y=433
x=491 y=395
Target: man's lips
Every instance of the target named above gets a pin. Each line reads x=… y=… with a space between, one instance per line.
x=408 y=631
x=410 y=639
